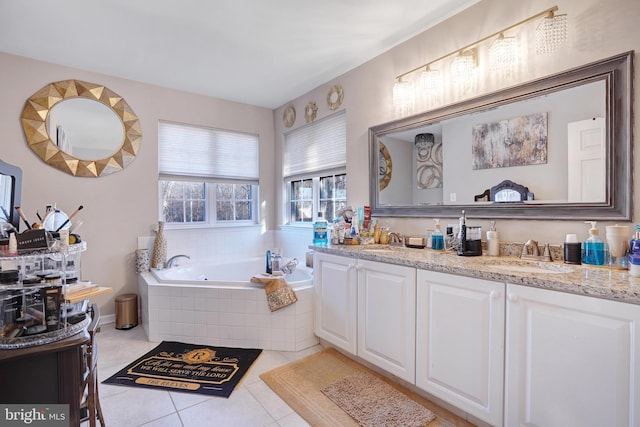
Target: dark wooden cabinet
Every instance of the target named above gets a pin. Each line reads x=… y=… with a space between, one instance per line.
x=58 y=372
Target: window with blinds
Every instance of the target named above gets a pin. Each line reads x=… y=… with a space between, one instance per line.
x=207 y=176
x=314 y=169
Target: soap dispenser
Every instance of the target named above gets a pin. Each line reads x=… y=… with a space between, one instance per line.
x=593 y=250
x=437 y=238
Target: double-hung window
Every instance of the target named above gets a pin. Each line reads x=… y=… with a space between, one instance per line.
x=314 y=169
x=208 y=176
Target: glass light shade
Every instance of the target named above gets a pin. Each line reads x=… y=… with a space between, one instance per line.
x=430 y=86
x=402 y=95
x=503 y=52
x=463 y=66
x=551 y=33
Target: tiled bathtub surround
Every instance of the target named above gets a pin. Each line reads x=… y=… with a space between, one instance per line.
x=225 y=317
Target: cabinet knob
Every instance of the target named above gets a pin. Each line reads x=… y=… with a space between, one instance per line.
x=351 y=267
x=495 y=295
x=513 y=297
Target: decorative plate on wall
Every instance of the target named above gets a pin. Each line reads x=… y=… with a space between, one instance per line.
x=311 y=111
x=289 y=116
x=335 y=97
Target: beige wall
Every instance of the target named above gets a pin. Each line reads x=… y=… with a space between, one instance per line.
x=597 y=29
x=122 y=206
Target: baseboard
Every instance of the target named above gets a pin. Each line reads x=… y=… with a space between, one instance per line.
x=107 y=318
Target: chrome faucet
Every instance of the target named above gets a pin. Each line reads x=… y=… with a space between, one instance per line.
x=174 y=258
x=530 y=250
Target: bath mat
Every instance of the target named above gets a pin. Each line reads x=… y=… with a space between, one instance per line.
x=279 y=293
x=374 y=403
x=300 y=385
x=189 y=368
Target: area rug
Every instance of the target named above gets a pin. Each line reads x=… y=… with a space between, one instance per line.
x=374 y=403
x=300 y=385
x=189 y=368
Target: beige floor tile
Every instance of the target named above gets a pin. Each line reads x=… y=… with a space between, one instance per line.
x=135 y=406
x=270 y=401
x=172 y=420
x=241 y=409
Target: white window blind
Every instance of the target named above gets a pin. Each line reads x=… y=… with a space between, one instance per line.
x=187 y=150
x=319 y=146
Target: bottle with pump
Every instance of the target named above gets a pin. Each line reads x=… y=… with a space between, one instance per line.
x=437 y=238
x=320 y=231
x=594 y=250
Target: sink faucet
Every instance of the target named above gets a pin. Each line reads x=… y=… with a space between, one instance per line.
x=396 y=239
x=530 y=250
x=174 y=258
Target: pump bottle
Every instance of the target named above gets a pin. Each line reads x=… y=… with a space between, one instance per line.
x=437 y=238
x=594 y=251
x=320 y=231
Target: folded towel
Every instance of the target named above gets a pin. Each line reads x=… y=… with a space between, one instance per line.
x=279 y=293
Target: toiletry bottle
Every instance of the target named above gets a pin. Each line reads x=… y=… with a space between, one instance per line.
x=320 y=231
x=493 y=241
x=634 y=244
x=462 y=234
x=437 y=238
x=593 y=251
x=13 y=244
x=268 y=268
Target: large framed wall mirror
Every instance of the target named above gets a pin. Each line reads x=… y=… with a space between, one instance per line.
x=566 y=137
x=81 y=128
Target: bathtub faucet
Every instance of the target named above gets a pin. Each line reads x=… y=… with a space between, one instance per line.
x=290 y=266
x=174 y=258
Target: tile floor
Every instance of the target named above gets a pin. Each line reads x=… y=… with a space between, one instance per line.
x=251 y=404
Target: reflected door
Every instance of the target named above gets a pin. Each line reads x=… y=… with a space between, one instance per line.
x=587 y=163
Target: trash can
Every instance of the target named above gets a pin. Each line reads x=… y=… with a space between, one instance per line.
x=126 y=311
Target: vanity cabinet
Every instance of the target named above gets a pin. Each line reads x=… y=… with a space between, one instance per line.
x=367 y=309
x=460 y=342
x=571 y=360
x=386 y=317
x=336 y=306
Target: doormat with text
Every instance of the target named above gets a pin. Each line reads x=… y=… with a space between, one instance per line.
x=189 y=368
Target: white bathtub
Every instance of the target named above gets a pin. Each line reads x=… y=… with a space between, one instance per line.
x=233 y=273
x=216 y=304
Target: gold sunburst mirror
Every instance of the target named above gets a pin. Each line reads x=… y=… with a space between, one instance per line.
x=91 y=132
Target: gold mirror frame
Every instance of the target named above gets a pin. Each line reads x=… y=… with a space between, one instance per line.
x=386 y=178
x=34 y=123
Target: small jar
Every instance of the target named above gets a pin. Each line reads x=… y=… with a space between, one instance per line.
x=572 y=250
x=493 y=243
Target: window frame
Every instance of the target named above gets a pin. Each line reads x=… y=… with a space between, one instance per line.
x=315 y=178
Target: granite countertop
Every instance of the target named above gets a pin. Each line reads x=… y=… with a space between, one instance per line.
x=599 y=282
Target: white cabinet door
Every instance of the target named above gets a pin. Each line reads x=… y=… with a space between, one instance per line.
x=571 y=360
x=460 y=342
x=335 y=283
x=386 y=317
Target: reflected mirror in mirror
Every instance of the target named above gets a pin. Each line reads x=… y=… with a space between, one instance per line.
x=85 y=129
x=10 y=195
x=566 y=137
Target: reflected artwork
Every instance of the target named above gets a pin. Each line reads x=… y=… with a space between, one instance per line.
x=520 y=141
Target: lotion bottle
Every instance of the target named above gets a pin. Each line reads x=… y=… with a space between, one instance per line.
x=593 y=250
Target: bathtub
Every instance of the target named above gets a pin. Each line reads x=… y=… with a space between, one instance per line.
x=216 y=304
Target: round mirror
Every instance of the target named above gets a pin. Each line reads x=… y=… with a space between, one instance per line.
x=91 y=131
x=85 y=129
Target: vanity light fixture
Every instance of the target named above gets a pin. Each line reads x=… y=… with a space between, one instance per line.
x=550 y=34
x=463 y=65
x=402 y=95
x=503 y=52
x=431 y=86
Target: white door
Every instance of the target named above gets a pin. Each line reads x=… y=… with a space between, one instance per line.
x=587 y=163
x=335 y=282
x=571 y=360
x=386 y=317
x=460 y=342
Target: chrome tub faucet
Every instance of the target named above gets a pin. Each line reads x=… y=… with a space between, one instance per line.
x=173 y=259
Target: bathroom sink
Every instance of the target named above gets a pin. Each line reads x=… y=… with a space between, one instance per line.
x=534 y=268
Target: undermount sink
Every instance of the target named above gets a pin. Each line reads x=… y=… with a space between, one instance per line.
x=536 y=268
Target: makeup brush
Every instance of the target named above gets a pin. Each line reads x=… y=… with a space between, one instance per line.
x=69 y=218
x=23 y=217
